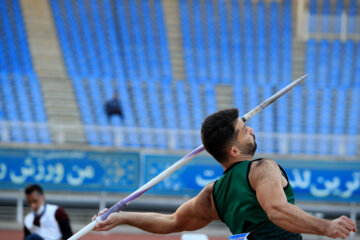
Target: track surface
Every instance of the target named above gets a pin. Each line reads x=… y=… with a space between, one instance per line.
x=18 y=235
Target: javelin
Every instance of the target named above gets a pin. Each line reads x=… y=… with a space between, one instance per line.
x=123 y=203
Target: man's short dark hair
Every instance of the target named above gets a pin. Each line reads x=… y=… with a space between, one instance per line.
x=34 y=188
x=218 y=132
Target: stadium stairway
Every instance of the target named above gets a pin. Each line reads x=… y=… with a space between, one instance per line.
x=224 y=96
x=298 y=58
x=57 y=89
x=171 y=12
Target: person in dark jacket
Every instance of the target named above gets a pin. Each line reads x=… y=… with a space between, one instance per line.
x=113 y=107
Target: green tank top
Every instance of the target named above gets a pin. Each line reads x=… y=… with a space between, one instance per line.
x=238 y=208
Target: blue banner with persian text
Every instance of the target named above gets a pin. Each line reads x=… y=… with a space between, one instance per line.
x=70 y=170
x=123 y=172
x=312 y=180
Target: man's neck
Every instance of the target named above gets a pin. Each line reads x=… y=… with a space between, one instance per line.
x=236 y=160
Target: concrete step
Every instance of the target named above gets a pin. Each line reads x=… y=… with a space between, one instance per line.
x=64 y=119
x=172 y=21
x=50 y=73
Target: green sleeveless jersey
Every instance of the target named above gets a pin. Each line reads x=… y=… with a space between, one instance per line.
x=239 y=209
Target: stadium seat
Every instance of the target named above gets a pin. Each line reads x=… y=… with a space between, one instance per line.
x=236 y=61
x=200 y=59
x=323 y=63
x=268 y=121
x=211 y=43
x=183 y=113
x=310 y=122
x=353 y=124
x=169 y=109
x=325 y=120
x=296 y=120
x=253 y=101
x=347 y=68
x=163 y=49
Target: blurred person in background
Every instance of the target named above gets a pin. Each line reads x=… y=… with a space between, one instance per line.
x=45 y=221
x=113 y=107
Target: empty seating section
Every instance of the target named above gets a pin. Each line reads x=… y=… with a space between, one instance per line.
x=107 y=40
x=121 y=46
x=22 y=102
x=335 y=64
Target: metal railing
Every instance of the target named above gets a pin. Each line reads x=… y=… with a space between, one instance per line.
x=151 y=138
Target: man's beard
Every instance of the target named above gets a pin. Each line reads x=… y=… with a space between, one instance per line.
x=250 y=148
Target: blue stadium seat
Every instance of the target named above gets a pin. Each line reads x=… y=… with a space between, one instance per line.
x=25 y=57
x=239 y=96
x=286 y=59
x=151 y=46
x=210 y=98
x=138 y=45
x=201 y=74
x=16 y=133
x=162 y=40
x=296 y=120
x=339 y=8
x=131 y=139
x=310 y=62
x=351 y=22
x=223 y=42
x=326 y=13
x=101 y=45
x=169 y=109
x=353 y=124
x=24 y=107
x=253 y=101
x=335 y=59
x=84 y=19
x=274 y=58
x=142 y=112
x=187 y=43
x=323 y=68
x=156 y=115
x=282 y=120
x=310 y=121
x=236 y=62
x=339 y=119
x=38 y=108
x=268 y=120
x=249 y=43
x=261 y=43
x=325 y=120
x=211 y=43
x=113 y=46
x=196 y=108
x=313 y=7
x=69 y=58
x=184 y=115
x=348 y=56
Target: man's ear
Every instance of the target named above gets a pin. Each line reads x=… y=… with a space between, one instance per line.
x=233 y=151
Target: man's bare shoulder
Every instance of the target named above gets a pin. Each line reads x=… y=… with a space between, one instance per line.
x=263 y=164
x=262 y=169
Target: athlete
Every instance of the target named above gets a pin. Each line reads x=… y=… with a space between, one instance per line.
x=252 y=195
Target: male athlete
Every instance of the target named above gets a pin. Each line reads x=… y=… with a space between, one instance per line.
x=252 y=195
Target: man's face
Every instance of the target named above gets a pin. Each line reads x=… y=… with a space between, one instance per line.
x=35 y=200
x=245 y=138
